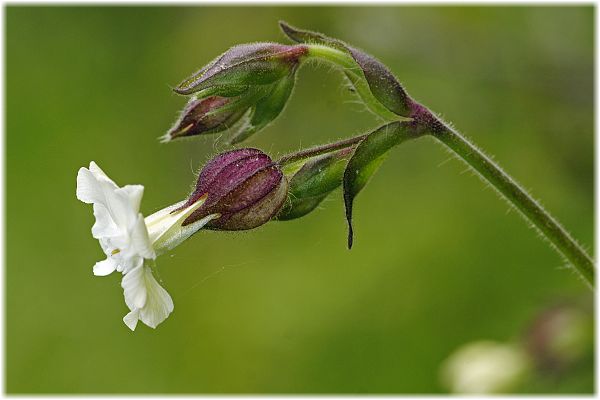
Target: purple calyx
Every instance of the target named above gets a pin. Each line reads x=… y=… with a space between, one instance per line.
x=233 y=181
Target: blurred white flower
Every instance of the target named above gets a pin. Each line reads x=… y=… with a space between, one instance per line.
x=128 y=240
x=485 y=367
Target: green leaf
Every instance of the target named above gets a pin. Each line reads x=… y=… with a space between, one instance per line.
x=366 y=160
x=382 y=83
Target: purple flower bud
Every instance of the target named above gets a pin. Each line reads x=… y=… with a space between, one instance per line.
x=244 y=186
x=245 y=65
x=561 y=336
x=210 y=115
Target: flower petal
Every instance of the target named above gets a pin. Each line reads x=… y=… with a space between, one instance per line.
x=105 y=267
x=99 y=174
x=134 y=194
x=145 y=298
x=88 y=187
x=124 y=204
x=158 y=304
x=134 y=288
x=140 y=241
x=104 y=225
x=131 y=319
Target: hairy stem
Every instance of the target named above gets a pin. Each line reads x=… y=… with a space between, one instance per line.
x=518 y=197
x=318 y=150
x=425 y=122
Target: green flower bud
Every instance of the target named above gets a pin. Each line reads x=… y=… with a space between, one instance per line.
x=210 y=115
x=382 y=83
x=257 y=78
x=243 y=66
x=311 y=182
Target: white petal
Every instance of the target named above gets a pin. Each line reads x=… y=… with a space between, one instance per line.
x=88 y=188
x=145 y=298
x=91 y=184
x=104 y=225
x=99 y=174
x=124 y=204
x=134 y=288
x=105 y=267
x=158 y=304
x=131 y=319
x=134 y=193
x=140 y=240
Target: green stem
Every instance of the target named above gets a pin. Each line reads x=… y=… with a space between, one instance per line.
x=502 y=182
x=318 y=150
x=518 y=197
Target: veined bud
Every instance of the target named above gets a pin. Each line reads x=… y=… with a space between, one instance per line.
x=253 y=81
x=210 y=115
x=245 y=65
x=243 y=186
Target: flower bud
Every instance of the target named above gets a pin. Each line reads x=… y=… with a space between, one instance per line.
x=245 y=65
x=253 y=81
x=560 y=337
x=244 y=186
x=210 y=115
x=313 y=182
x=382 y=83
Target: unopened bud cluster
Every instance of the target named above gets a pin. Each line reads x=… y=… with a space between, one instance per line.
x=250 y=82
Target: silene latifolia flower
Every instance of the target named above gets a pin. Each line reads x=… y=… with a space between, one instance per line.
x=237 y=190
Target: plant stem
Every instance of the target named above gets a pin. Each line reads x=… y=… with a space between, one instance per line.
x=518 y=197
x=318 y=150
x=490 y=171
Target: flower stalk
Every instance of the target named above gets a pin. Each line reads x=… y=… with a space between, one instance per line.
x=385 y=97
x=319 y=150
x=518 y=197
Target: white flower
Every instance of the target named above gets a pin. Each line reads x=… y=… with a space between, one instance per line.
x=128 y=240
x=485 y=367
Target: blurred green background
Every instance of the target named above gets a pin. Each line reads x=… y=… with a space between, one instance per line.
x=438 y=260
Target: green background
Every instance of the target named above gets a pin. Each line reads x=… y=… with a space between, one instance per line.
x=438 y=260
